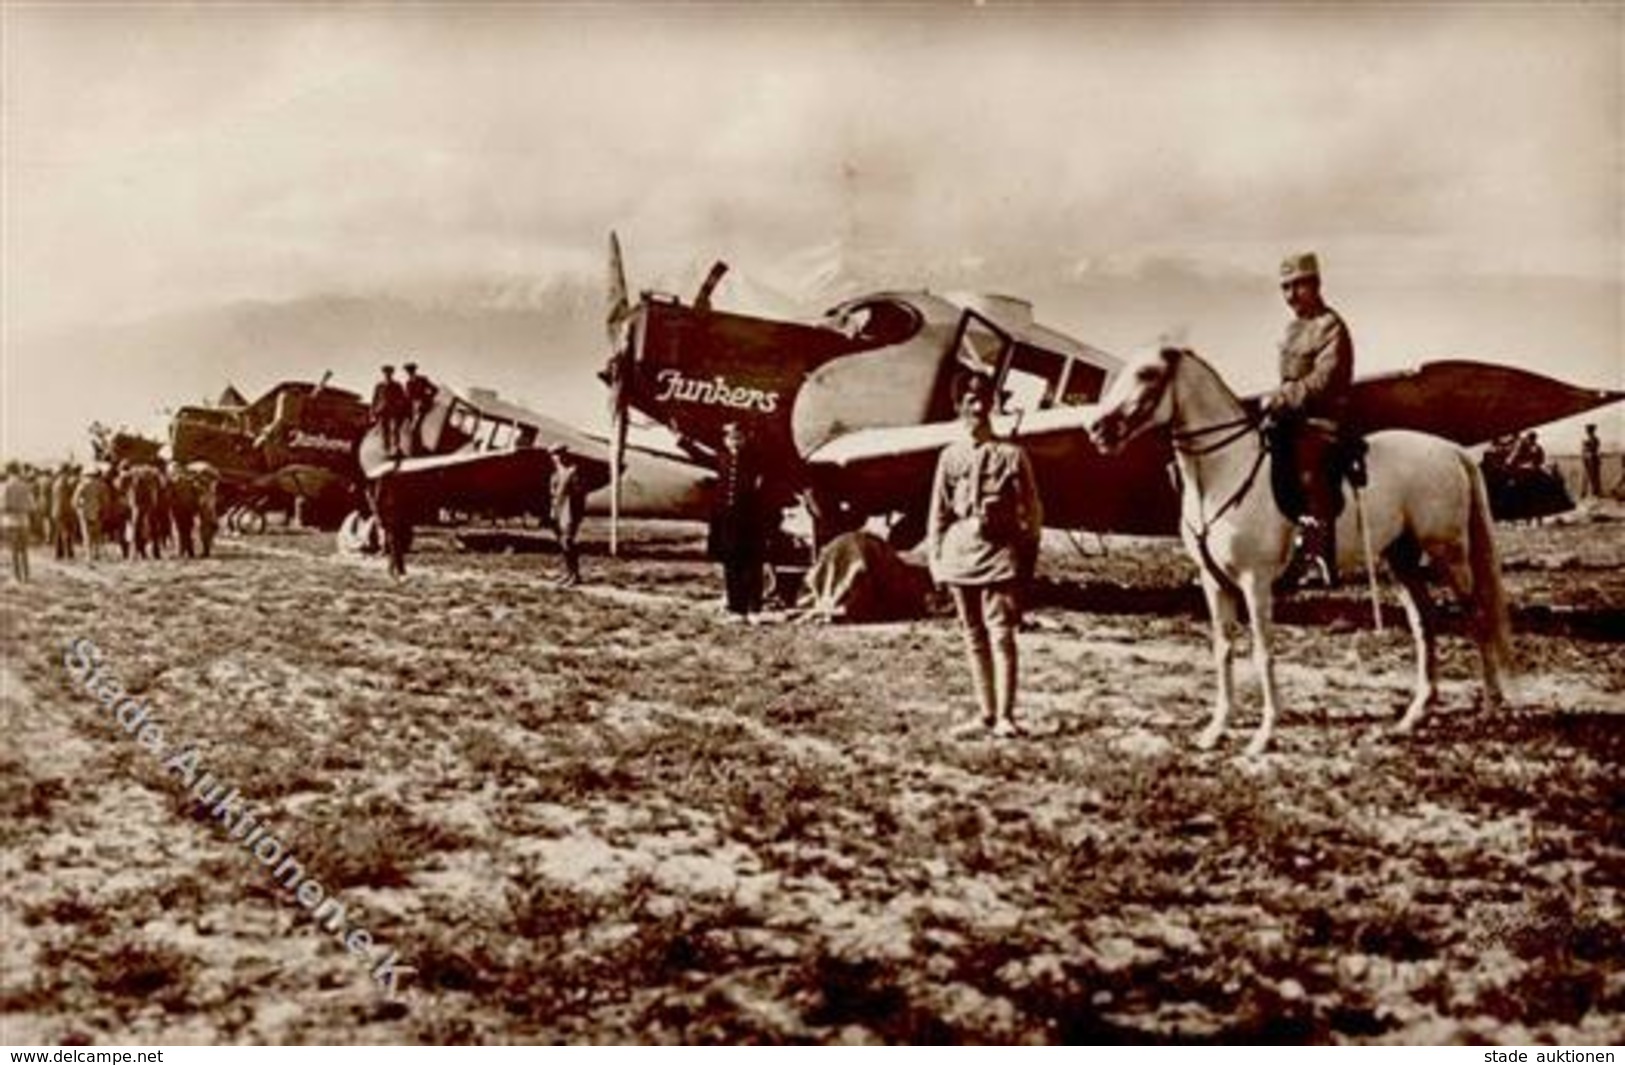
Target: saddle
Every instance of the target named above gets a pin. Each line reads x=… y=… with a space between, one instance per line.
x=1344 y=463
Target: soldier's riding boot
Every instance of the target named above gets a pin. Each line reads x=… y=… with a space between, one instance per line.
x=1317 y=552
x=1320 y=526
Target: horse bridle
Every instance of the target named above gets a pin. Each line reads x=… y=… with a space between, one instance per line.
x=1182 y=441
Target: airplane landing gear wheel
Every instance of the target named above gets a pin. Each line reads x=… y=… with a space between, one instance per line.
x=248 y=521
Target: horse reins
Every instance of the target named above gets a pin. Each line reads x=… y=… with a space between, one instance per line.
x=1239 y=428
x=1181 y=440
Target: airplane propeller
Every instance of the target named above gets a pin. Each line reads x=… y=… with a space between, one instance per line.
x=617 y=319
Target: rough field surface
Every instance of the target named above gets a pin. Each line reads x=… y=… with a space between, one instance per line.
x=610 y=815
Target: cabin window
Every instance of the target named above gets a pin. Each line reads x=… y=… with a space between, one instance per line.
x=1033 y=378
x=1084 y=384
x=465 y=421
x=877 y=322
x=501 y=436
x=981 y=348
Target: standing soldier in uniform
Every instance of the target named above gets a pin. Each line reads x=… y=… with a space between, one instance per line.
x=569 y=506
x=420 y=393
x=64 y=520
x=90 y=498
x=389 y=411
x=982 y=542
x=16 y=518
x=1591 y=460
x=1317 y=368
x=737 y=536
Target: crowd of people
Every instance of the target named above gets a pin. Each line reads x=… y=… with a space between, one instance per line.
x=135 y=509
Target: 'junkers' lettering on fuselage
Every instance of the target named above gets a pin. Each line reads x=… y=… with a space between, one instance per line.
x=300 y=438
x=716 y=392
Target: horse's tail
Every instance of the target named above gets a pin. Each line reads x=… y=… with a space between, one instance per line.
x=1489 y=595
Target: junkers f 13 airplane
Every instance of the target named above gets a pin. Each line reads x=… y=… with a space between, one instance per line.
x=297 y=441
x=479 y=454
x=848 y=412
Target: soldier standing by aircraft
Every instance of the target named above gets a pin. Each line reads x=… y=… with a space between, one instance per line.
x=1527 y=455
x=569 y=499
x=1591 y=461
x=737 y=537
x=390 y=410
x=420 y=393
x=16 y=517
x=982 y=538
x=1317 y=370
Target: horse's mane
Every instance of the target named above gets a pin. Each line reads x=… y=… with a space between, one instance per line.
x=1178 y=353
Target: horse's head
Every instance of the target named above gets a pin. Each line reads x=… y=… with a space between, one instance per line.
x=1138 y=399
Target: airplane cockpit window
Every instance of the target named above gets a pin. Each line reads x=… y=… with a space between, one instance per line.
x=1084 y=383
x=502 y=436
x=981 y=347
x=877 y=321
x=1032 y=379
x=464 y=420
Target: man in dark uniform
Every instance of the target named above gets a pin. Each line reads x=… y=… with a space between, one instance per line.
x=1528 y=456
x=569 y=506
x=737 y=537
x=389 y=411
x=1317 y=368
x=65 y=518
x=420 y=393
x=1591 y=461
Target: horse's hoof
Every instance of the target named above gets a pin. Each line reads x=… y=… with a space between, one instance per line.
x=1256 y=747
x=1207 y=740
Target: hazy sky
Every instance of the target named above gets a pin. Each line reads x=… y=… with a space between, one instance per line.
x=163 y=157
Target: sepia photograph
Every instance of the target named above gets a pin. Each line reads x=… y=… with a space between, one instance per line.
x=812 y=523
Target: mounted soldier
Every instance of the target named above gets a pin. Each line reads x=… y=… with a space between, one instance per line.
x=1317 y=369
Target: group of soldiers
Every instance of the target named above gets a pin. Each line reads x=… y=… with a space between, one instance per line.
x=1515 y=454
x=140 y=509
x=398 y=409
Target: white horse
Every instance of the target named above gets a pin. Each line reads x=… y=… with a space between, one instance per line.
x=1425 y=496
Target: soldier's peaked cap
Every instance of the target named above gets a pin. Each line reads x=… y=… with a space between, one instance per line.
x=1298 y=267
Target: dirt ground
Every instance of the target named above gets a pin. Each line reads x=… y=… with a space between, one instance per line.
x=610 y=815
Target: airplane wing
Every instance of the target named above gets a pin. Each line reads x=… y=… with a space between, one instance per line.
x=511 y=481
x=302 y=480
x=1081 y=488
x=516 y=480
x=1468 y=402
